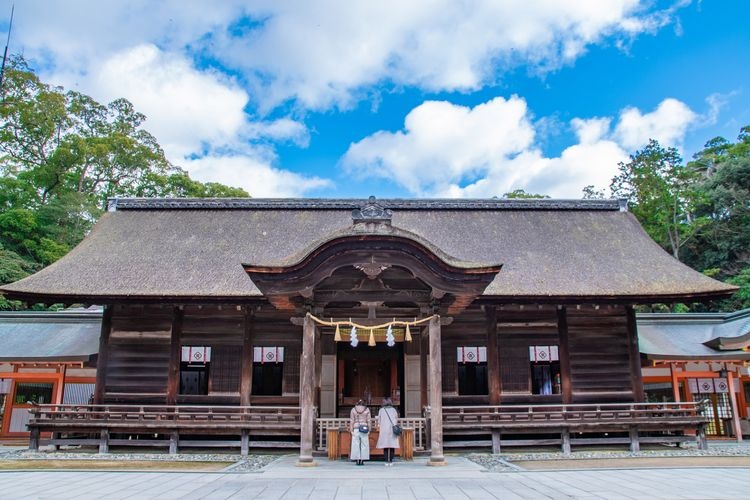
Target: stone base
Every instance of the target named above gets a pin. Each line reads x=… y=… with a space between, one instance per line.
x=305 y=463
x=440 y=462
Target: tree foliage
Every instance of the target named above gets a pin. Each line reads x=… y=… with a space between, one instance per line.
x=699 y=211
x=62 y=155
x=520 y=193
x=663 y=194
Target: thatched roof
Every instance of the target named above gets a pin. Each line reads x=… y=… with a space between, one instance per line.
x=50 y=336
x=695 y=336
x=195 y=248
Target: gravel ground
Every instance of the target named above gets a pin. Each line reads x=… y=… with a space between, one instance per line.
x=251 y=463
x=505 y=462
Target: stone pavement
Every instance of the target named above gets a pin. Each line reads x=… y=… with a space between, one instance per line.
x=342 y=480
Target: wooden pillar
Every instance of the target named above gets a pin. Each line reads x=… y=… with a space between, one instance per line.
x=675 y=383
x=635 y=444
x=175 y=356
x=174 y=442
x=318 y=367
x=493 y=356
x=59 y=394
x=565 y=435
x=246 y=377
x=735 y=409
x=423 y=351
x=493 y=367
x=101 y=360
x=34 y=439
x=436 y=394
x=742 y=402
x=307 y=393
x=104 y=441
x=701 y=437
x=496 y=441
x=636 y=381
x=566 y=381
x=245 y=442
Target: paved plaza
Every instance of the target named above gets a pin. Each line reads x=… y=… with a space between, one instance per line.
x=340 y=480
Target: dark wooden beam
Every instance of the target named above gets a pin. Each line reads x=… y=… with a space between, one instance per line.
x=175 y=356
x=246 y=377
x=566 y=379
x=493 y=357
x=424 y=348
x=101 y=362
x=635 y=356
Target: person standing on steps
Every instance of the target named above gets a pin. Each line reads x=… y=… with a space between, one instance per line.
x=387 y=440
x=359 y=424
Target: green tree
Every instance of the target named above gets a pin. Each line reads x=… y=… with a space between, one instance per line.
x=724 y=243
x=62 y=154
x=520 y=193
x=591 y=193
x=663 y=195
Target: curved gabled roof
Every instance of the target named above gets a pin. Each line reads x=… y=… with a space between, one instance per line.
x=195 y=248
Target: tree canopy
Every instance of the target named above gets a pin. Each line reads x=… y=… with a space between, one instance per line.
x=62 y=154
x=700 y=210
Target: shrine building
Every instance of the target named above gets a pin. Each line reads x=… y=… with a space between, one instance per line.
x=256 y=323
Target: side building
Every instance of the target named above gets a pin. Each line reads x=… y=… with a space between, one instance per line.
x=700 y=357
x=261 y=320
x=45 y=358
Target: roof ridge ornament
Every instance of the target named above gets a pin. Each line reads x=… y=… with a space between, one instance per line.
x=372 y=211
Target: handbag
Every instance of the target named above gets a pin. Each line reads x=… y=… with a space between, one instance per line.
x=396 y=428
x=364 y=428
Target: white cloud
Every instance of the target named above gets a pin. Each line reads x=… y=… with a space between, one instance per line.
x=455 y=151
x=323 y=54
x=319 y=55
x=195 y=113
x=185 y=107
x=667 y=124
x=256 y=176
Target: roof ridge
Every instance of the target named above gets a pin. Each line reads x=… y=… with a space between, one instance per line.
x=118 y=204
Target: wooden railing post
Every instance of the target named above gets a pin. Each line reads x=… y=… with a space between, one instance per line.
x=565 y=435
x=635 y=445
x=34 y=439
x=174 y=439
x=104 y=441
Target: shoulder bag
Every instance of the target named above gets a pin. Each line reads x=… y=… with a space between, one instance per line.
x=396 y=428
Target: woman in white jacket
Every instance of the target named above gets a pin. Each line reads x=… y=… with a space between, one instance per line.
x=387 y=440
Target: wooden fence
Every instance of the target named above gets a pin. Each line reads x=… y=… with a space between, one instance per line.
x=324 y=424
x=667 y=422
x=68 y=423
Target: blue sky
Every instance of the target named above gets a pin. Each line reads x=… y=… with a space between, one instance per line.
x=433 y=98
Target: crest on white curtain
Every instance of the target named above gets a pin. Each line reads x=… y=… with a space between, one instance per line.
x=268 y=354
x=468 y=354
x=196 y=354
x=543 y=353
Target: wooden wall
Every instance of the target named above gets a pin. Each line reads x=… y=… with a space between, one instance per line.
x=137 y=366
x=600 y=368
x=138 y=354
x=599 y=356
x=600 y=364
